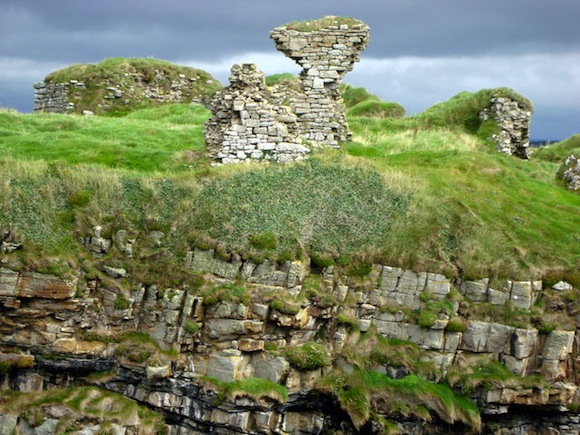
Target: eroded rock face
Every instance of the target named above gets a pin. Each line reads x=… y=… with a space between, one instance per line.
x=50 y=338
x=514 y=124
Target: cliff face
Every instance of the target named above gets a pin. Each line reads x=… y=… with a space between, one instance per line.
x=222 y=355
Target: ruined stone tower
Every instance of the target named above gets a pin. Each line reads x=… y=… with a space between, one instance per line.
x=326 y=49
x=252 y=121
x=247 y=122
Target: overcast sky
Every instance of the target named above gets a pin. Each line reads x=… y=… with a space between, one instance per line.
x=420 y=52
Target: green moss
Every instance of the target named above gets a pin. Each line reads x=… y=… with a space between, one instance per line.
x=309 y=356
x=257 y=388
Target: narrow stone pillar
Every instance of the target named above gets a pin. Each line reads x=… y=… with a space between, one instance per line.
x=326 y=49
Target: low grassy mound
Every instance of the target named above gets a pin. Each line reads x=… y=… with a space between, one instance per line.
x=559 y=151
x=135 y=78
x=463 y=110
x=361 y=103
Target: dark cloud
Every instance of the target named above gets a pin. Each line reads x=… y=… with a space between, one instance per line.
x=42 y=34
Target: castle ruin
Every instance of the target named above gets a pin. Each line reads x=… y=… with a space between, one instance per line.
x=251 y=121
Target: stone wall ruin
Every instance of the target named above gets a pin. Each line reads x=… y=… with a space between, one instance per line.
x=513 y=121
x=251 y=121
x=121 y=87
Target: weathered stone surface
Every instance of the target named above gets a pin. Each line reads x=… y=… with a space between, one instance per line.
x=522 y=294
x=35 y=285
x=229 y=328
x=267 y=366
x=558 y=345
x=475 y=291
x=571 y=172
x=523 y=342
x=475 y=336
x=160 y=372
x=513 y=120
x=226 y=366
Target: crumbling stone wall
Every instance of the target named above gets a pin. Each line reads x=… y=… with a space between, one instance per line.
x=248 y=123
x=123 y=91
x=252 y=121
x=514 y=123
x=325 y=54
x=571 y=173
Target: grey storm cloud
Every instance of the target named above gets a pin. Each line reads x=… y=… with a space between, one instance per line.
x=37 y=37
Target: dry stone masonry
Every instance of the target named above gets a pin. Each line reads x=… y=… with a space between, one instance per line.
x=514 y=123
x=248 y=123
x=253 y=122
x=571 y=174
x=121 y=86
x=326 y=50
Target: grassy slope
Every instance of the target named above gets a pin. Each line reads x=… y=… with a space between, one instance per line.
x=147 y=140
x=466 y=210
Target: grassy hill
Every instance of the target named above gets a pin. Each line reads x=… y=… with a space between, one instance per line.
x=425 y=192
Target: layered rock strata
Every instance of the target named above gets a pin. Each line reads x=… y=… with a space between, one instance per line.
x=55 y=331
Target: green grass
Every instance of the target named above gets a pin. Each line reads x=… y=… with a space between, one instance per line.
x=365 y=392
x=423 y=192
x=93 y=402
x=161 y=139
x=558 y=152
x=256 y=388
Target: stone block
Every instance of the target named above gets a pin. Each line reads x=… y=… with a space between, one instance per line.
x=497 y=297
x=452 y=340
x=523 y=342
x=8 y=281
x=475 y=291
x=250 y=345
x=227 y=366
x=516 y=365
x=499 y=336
x=267 y=366
x=425 y=338
x=475 y=336
x=558 y=345
x=37 y=285
x=160 y=372
x=522 y=294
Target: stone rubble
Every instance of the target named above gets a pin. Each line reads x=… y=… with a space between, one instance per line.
x=514 y=124
x=252 y=122
x=571 y=173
